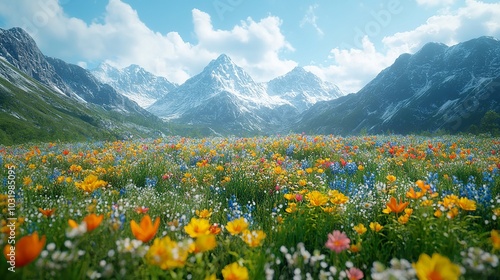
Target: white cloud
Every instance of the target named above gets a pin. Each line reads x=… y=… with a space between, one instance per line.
x=255 y=46
x=352 y=68
x=310 y=18
x=475 y=19
x=121 y=38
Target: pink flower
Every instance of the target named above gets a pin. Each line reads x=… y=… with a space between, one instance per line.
x=338 y=241
x=354 y=274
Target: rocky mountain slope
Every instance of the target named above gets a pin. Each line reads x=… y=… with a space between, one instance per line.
x=437 y=88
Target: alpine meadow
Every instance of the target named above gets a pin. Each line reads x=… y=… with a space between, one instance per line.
x=239 y=140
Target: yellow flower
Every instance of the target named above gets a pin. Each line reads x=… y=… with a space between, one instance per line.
x=197 y=227
x=328 y=209
x=437 y=267
x=292 y=207
x=278 y=170
x=376 y=227
x=391 y=178
x=467 y=204
x=219 y=168
x=337 y=197
x=205 y=243
x=204 y=214
x=360 y=229
x=361 y=167
x=211 y=277
x=302 y=182
x=449 y=201
x=167 y=254
x=90 y=183
x=253 y=238
x=438 y=213
x=452 y=213
x=316 y=198
x=237 y=226
x=75 y=168
x=146 y=230
x=27 y=181
x=426 y=202
x=289 y=196
x=234 y=271
x=404 y=219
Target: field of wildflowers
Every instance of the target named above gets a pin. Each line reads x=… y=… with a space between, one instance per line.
x=284 y=207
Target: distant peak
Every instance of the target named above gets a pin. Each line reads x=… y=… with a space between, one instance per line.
x=223 y=63
x=298 y=69
x=300 y=72
x=223 y=59
x=134 y=67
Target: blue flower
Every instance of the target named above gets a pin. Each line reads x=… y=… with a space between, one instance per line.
x=151 y=182
x=289 y=150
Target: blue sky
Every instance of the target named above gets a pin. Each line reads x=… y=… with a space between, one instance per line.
x=344 y=42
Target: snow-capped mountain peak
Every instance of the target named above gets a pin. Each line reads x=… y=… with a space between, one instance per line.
x=134 y=82
x=302 y=88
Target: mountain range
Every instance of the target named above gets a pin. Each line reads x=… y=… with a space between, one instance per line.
x=223 y=97
x=226 y=99
x=437 y=88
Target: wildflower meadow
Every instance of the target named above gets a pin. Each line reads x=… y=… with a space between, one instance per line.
x=282 y=207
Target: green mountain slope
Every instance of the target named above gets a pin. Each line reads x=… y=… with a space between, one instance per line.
x=29 y=111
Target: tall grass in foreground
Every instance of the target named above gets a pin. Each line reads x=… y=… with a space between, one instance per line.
x=288 y=207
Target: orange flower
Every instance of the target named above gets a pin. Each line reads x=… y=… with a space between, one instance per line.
x=424 y=187
x=215 y=229
x=394 y=206
x=26 y=250
x=355 y=248
x=146 y=230
x=141 y=209
x=47 y=212
x=92 y=221
x=495 y=239
x=413 y=194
